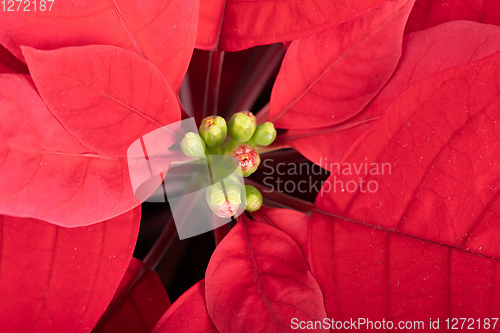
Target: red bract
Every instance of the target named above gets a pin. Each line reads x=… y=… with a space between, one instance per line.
x=88 y=90
x=425 y=243
x=367 y=272
x=432 y=157
x=190 y=305
x=46 y=172
x=259 y=269
x=105 y=96
x=9 y=63
x=429 y=13
x=237 y=25
x=424 y=53
x=56 y=279
x=294 y=225
x=151 y=31
x=329 y=77
x=144 y=303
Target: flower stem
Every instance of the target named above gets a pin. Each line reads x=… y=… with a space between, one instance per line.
x=271 y=148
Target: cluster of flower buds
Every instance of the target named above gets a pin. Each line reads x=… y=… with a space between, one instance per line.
x=238 y=138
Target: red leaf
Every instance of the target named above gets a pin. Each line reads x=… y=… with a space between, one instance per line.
x=149 y=29
x=366 y=272
x=424 y=53
x=55 y=279
x=432 y=50
x=258 y=278
x=292 y=223
x=439 y=139
x=106 y=96
x=46 y=172
x=422 y=239
x=329 y=77
x=141 y=306
x=188 y=314
x=236 y=25
x=429 y=13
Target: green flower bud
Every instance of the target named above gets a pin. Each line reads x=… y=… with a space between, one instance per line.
x=254 y=198
x=223 y=205
x=193 y=145
x=264 y=134
x=247 y=157
x=213 y=130
x=242 y=126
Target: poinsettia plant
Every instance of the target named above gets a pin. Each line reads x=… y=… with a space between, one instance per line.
x=380 y=192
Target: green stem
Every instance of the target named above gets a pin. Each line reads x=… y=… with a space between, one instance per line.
x=222 y=231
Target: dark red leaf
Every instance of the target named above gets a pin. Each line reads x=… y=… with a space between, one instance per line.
x=432 y=50
x=243 y=76
x=424 y=53
x=420 y=238
x=56 y=279
x=330 y=77
x=367 y=272
x=10 y=64
x=429 y=13
x=149 y=28
x=236 y=25
x=258 y=280
x=46 y=172
x=188 y=314
x=140 y=308
x=106 y=96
